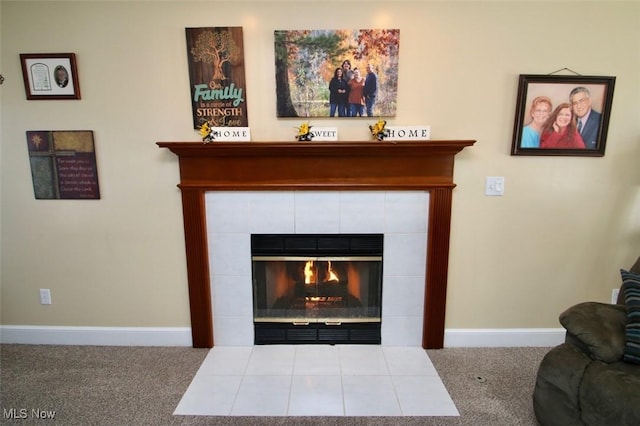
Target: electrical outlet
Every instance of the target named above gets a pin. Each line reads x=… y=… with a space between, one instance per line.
x=45 y=296
x=614 y=295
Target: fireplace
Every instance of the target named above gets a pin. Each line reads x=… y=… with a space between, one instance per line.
x=329 y=166
x=324 y=288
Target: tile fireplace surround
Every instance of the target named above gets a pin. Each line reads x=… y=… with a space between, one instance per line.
x=401 y=216
x=340 y=174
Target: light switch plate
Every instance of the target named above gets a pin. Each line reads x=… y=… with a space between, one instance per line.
x=494 y=185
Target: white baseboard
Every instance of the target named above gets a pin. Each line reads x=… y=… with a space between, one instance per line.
x=181 y=336
x=98 y=336
x=503 y=337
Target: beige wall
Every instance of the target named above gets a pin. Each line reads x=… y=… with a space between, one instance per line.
x=558 y=235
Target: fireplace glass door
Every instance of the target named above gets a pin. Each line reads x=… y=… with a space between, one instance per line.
x=317 y=288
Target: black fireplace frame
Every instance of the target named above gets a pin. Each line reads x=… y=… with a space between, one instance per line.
x=313 y=245
x=273 y=333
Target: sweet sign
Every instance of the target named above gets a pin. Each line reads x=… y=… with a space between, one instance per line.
x=324 y=133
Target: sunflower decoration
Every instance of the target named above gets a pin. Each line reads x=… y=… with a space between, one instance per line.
x=206 y=133
x=304 y=132
x=378 y=131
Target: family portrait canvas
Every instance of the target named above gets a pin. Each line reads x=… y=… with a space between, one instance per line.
x=336 y=73
x=562 y=115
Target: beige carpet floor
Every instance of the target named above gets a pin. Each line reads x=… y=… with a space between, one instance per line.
x=90 y=385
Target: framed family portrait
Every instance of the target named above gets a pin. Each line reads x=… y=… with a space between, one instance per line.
x=562 y=115
x=51 y=76
x=336 y=73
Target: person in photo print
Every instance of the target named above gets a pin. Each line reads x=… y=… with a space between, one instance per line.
x=61 y=76
x=338 y=94
x=347 y=74
x=588 y=123
x=559 y=131
x=541 y=107
x=370 y=90
x=356 y=95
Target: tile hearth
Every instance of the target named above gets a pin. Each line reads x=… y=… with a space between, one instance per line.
x=316 y=380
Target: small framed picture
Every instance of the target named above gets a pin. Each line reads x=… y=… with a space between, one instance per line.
x=562 y=115
x=50 y=76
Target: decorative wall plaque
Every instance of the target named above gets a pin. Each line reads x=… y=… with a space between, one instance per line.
x=216 y=72
x=63 y=164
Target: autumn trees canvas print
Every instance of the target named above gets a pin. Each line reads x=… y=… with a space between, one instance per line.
x=336 y=73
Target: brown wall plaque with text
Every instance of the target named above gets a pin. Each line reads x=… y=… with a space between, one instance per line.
x=216 y=72
x=63 y=164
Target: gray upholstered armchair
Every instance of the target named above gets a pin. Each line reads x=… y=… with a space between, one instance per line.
x=585 y=380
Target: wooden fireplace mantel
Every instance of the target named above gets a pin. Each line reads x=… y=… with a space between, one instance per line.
x=300 y=166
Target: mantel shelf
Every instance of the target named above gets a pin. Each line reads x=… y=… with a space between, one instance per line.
x=322 y=165
x=306 y=166
x=427 y=147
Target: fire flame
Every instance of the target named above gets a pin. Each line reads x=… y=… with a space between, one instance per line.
x=308 y=272
x=309 y=276
x=332 y=273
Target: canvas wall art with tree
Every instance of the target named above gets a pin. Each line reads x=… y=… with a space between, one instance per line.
x=216 y=73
